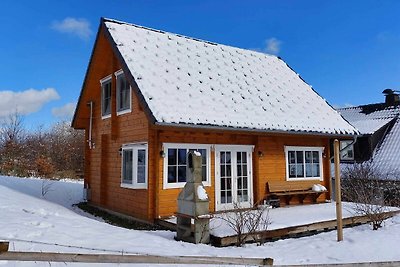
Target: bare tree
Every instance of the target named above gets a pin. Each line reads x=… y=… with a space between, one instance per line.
x=363 y=185
x=245 y=222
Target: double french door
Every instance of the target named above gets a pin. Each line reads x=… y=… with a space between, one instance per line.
x=233 y=173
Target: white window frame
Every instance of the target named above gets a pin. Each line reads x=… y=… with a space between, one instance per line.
x=167 y=146
x=102 y=82
x=128 y=110
x=304 y=148
x=135 y=147
x=351 y=147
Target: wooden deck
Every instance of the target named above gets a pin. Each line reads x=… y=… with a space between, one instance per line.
x=287 y=232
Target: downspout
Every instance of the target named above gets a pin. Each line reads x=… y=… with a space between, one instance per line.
x=90 y=141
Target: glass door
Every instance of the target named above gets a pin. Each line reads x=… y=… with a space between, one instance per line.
x=233 y=177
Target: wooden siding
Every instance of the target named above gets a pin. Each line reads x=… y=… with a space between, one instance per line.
x=103 y=162
x=271 y=166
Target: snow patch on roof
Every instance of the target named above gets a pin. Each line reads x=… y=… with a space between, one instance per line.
x=193 y=82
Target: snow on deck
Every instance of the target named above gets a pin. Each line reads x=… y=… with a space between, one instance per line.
x=194 y=82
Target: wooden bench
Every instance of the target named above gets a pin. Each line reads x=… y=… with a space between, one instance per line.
x=287 y=190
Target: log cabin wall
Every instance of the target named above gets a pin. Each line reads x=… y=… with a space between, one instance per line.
x=270 y=166
x=103 y=162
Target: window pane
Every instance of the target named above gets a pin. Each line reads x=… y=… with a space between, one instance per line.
x=299 y=156
x=141 y=175
x=127 y=160
x=172 y=159
x=315 y=157
x=141 y=165
x=239 y=157
x=309 y=170
x=291 y=156
x=182 y=156
x=308 y=156
x=228 y=157
x=182 y=174
x=239 y=170
x=203 y=173
x=244 y=157
x=172 y=175
x=292 y=170
x=316 y=171
x=299 y=170
x=106 y=98
x=222 y=157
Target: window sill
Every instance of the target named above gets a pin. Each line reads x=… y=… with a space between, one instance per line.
x=131 y=186
x=122 y=112
x=103 y=117
x=181 y=185
x=304 y=179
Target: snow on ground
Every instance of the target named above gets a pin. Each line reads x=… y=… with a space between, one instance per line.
x=26 y=215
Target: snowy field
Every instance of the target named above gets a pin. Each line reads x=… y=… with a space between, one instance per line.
x=33 y=222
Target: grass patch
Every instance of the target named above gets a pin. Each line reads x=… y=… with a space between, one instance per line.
x=118 y=220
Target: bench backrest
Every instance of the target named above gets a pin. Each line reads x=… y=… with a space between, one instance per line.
x=285 y=186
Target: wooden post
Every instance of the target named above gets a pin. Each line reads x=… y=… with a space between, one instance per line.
x=338 y=197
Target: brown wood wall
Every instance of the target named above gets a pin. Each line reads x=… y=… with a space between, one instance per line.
x=103 y=163
x=269 y=167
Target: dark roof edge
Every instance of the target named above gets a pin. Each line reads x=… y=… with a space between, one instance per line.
x=126 y=70
x=86 y=74
x=227 y=128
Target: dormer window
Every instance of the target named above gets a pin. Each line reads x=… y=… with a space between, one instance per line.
x=106 y=97
x=123 y=94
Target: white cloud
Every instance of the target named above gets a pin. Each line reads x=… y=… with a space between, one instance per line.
x=25 y=102
x=345 y=105
x=64 y=112
x=272 y=45
x=79 y=27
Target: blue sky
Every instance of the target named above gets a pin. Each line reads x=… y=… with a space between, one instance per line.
x=348 y=51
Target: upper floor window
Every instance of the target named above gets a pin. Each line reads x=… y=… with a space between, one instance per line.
x=123 y=93
x=175 y=163
x=346 y=150
x=134 y=166
x=106 y=97
x=303 y=162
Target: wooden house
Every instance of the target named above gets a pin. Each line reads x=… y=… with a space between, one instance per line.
x=379 y=139
x=150 y=96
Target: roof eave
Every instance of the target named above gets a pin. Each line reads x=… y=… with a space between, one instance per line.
x=235 y=129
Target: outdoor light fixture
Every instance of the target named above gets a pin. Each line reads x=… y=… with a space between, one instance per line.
x=260 y=154
x=162 y=154
x=120 y=151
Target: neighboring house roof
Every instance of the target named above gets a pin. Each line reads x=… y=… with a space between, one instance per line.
x=185 y=81
x=369 y=119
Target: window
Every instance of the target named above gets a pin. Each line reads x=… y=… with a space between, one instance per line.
x=123 y=94
x=175 y=163
x=303 y=163
x=106 y=97
x=346 y=150
x=134 y=166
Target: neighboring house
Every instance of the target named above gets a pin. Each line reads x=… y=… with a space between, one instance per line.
x=379 y=142
x=150 y=96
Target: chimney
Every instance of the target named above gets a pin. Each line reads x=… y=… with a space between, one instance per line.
x=391 y=97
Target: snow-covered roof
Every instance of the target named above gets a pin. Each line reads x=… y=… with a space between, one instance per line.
x=193 y=82
x=370 y=118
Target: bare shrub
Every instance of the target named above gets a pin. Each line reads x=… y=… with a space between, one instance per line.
x=245 y=222
x=362 y=184
x=47 y=186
